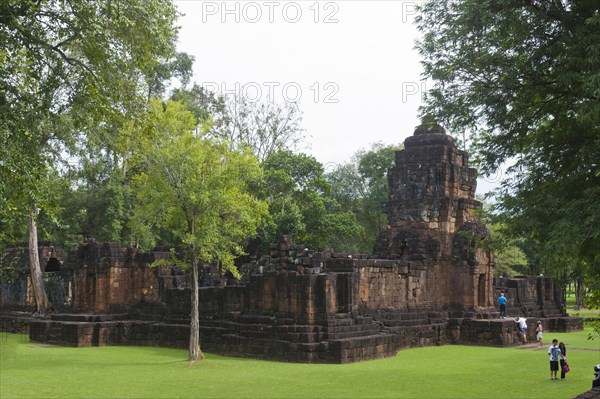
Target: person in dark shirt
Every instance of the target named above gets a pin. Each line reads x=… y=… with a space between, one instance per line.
x=563 y=359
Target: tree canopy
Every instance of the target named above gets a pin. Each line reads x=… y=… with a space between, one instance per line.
x=523 y=78
x=301 y=203
x=65 y=68
x=361 y=187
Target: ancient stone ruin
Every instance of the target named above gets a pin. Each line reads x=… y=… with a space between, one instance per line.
x=434 y=233
x=429 y=281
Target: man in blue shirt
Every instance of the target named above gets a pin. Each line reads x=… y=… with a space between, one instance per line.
x=502 y=302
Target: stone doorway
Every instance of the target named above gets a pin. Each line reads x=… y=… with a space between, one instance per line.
x=53 y=265
x=343 y=301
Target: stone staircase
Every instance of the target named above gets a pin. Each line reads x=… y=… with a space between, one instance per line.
x=426 y=327
x=343 y=326
x=339 y=338
x=550 y=310
x=357 y=337
x=265 y=336
x=547 y=310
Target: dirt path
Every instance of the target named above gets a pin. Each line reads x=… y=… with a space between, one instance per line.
x=535 y=346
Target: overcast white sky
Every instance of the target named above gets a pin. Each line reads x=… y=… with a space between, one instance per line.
x=350 y=64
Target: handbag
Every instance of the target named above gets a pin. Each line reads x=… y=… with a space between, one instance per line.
x=566 y=368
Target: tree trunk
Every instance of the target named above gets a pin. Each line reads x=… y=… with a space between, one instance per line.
x=37 y=284
x=579 y=293
x=195 y=353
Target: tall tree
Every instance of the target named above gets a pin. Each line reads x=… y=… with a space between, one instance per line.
x=264 y=126
x=66 y=65
x=361 y=187
x=199 y=188
x=524 y=78
x=301 y=204
x=509 y=259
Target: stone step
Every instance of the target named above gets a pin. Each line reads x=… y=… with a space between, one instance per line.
x=300 y=337
x=354 y=333
x=354 y=328
x=265 y=334
x=403 y=323
x=335 y=322
x=368 y=341
x=299 y=329
x=408 y=316
x=552 y=313
x=179 y=320
x=90 y=318
x=254 y=319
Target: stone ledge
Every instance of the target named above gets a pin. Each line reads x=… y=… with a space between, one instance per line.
x=593 y=393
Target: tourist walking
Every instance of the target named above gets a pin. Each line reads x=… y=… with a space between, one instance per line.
x=539 y=335
x=554 y=353
x=563 y=360
x=522 y=328
x=502 y=303
x=596 y=380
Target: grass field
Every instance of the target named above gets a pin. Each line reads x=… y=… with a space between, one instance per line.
x=581 y=312
x=29 y=370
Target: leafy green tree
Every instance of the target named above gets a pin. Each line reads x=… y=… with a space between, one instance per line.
x=300 y=203
x=199 y=189
x=524 y=78
x=509 y=258
x=65 y=66
x=361 y=188
x=208 y=108
x=98 y=207
x=180 y=67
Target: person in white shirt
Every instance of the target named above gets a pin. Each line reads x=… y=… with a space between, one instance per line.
x=522 y=328
x=539 y=333
x=554 y=353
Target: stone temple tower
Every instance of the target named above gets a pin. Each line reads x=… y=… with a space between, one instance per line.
x=433 y=222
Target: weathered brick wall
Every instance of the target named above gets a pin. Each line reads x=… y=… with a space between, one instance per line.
x=301 y=296
x=220 y=303
x=392 y=286
x=106 y=275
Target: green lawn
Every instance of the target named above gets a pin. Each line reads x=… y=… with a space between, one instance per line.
x=29 y=370
x=581 y=312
